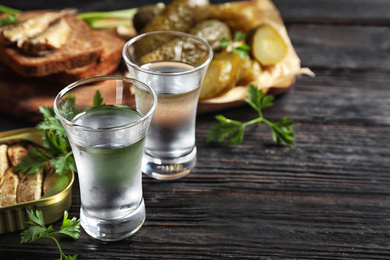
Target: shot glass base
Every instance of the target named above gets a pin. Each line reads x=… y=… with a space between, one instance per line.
x=169 y=169
x=113 y=230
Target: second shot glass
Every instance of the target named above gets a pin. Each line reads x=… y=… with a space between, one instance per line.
x=174 y=65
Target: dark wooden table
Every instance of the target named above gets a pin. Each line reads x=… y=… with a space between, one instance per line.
x=327 y=198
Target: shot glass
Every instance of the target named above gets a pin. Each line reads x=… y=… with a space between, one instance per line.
x=174 y=65
x=106 y=120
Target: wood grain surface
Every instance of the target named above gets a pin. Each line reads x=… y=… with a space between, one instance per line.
x=326 y=198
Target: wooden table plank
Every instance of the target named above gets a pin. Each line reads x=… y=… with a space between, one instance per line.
x=352 y=12
x=342 y=47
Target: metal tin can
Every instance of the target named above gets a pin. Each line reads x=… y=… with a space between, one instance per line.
x=13 y=217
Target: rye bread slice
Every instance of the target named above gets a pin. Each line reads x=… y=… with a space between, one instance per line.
x=82 y=48
x=106 y=64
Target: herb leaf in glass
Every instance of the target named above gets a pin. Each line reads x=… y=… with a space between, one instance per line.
x=106 y=120
x=174 y=65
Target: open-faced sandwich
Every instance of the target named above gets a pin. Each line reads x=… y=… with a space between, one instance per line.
x=57 y=46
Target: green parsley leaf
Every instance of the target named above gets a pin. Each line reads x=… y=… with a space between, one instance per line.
x=238 y=44
x=33 y=162
x=257 y=100
x=47 y=112
x=70 y=227
x=50 y=122
x=36 y=229
x=63 y=163
x=238 y=36
x=56 y=146
x=67 y=107
x=282 y=132
x=227 y=127
x=10 y=19
x=36 y=219
x=224 y=42
x=241 y=52
x=97 y=99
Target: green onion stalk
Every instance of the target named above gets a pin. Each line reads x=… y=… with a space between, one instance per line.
x=96 y=20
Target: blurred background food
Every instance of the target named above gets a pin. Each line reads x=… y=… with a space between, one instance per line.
x=269 y=62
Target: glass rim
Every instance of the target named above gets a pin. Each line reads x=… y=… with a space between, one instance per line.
x=173 y=33
x=75 y=84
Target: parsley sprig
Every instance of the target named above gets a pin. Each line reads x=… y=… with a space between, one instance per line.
x=56 y=146
x=238 y=44
x=282 y=132
x=37 y=230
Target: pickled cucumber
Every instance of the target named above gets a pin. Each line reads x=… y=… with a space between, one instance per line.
x=240 y=16
x=249 y=71
x=145 y=14
x=212 y=31
x=184 y=50
x=221 y=75
x=267 y=45
x=180 y=15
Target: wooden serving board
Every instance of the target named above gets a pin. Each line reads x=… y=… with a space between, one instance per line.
x=235 y=97
x=23 y=97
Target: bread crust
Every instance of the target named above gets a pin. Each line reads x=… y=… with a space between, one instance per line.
x=106 y=64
